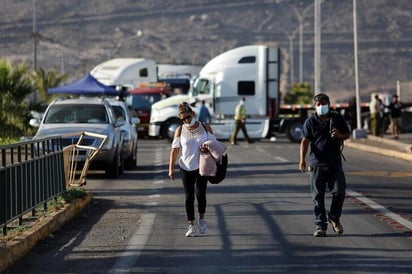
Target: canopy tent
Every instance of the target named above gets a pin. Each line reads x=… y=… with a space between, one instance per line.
x=88 y=85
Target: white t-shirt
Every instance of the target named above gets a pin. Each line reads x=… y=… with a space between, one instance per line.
x=189 y=143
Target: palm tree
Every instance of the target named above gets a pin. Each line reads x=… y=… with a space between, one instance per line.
x=15 y=86
x=44 y=80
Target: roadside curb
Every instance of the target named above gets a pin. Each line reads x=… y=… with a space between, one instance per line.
x=17 y=248
x=382 y=151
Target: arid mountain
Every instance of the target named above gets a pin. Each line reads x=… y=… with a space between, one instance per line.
x=75 y=35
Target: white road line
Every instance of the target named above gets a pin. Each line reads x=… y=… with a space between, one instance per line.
x=135 y=246
x=154 y=196
x=278 y=158
x=281 y=159
x=380 y=209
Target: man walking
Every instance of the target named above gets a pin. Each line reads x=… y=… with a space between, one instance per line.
x=240 y=122
x=325 y=131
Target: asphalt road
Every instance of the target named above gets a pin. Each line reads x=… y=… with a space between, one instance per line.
x=260 y=220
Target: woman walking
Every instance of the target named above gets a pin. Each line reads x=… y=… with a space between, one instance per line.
x=188 y=142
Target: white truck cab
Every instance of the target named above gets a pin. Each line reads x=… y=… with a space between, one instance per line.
x=250 y=71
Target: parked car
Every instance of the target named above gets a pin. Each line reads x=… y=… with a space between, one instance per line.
x=64 y=116
x=130 y=136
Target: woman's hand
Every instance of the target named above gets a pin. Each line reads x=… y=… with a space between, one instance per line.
x=172 y=174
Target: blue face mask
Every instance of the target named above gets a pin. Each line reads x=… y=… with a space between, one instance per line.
x=322 y=109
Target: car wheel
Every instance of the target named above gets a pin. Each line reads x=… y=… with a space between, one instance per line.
x=131 y=162
x=116 y=168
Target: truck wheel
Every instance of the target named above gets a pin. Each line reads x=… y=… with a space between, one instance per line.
x=294 y=131
x=170 y=128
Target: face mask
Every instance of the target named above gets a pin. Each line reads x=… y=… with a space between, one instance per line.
x=322 y=109
x=191 y=124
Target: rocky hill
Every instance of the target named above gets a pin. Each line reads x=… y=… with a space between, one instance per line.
x=74 y=36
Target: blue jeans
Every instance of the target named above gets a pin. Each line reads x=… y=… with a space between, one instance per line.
x=333 y=178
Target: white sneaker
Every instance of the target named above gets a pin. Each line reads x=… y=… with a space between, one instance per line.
x=202 y=226
x=191 y=231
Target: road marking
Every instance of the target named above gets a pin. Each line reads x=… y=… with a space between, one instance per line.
x=281 y=159
x=132 y=252
x=376 y=173
x=154 y=196
x=380 y=209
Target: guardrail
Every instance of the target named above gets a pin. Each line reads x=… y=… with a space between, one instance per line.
x=31 y=174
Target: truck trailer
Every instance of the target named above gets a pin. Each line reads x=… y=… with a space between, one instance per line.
x=126 y=72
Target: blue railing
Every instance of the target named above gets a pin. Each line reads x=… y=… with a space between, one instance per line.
x=31 y=174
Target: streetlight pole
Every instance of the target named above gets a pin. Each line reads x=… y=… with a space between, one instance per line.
x=358 y=132
x=317 y=46
x=291 y=58
x=301 y=16
x=34 y=36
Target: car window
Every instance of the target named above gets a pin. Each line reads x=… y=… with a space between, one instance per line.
x=69 y=114
x=119 y=113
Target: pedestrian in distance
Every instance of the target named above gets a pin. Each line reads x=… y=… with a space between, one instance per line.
x=204 y=114
x=395 y=108
x=240 y=122
x=188 y=143
x=375 y=117
x=325 y=132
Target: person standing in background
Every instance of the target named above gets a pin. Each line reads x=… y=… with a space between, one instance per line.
x=395 y=116
x=204 y=114
x=240 y=122
x=374 y=115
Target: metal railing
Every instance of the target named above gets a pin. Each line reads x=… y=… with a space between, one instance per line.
x=31 y=174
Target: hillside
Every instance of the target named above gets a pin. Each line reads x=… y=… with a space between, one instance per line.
x=76 y=35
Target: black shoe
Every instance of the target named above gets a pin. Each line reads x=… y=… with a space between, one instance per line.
x=251 y=142
x=319 y=232
x=234 y=144
x=336 y=226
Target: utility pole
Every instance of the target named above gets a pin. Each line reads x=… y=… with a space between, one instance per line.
x=358 y=132
x=317 y=87
x=34 y=36
x=301 y=16
x=34 y=46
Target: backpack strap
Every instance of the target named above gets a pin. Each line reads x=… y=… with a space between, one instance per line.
x=332 y=124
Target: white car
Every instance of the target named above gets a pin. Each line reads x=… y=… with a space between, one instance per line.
x=64 y=116
x=130 y=136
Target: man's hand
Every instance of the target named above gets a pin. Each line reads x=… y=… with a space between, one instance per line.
x=302 y=165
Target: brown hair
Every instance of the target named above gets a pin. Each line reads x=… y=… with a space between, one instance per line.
x=185 y=108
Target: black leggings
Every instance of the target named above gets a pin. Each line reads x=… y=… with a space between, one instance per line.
x=192 y=179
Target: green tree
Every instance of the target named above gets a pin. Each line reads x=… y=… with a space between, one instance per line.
x=43 y=80
x=300 y=94
x=15 y=85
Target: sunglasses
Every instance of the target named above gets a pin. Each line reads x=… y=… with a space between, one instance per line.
x=186 y=117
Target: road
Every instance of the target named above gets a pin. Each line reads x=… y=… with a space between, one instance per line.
x=260 y=220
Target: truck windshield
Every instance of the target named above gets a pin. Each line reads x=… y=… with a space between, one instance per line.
x=201 y=86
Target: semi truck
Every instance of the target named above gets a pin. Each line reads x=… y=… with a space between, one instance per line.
x=126 y=72
x=250 y=71
x=140 y=99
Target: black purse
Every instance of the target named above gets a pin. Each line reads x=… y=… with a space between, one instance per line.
x=221 y=167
